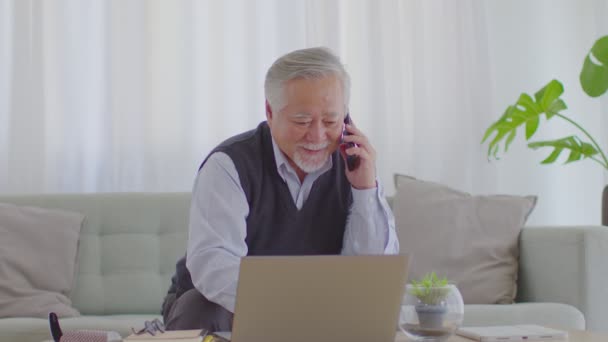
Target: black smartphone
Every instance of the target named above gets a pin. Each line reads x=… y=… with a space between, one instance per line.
x=352 y=161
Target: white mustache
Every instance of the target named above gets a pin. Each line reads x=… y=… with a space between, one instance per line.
x=314 y=147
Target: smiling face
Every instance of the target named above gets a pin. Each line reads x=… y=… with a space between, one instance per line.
x=308 y=128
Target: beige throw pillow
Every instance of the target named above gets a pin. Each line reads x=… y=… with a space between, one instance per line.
x=473 y=240
x=38 y=259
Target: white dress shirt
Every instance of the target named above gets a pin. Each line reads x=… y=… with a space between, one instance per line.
x=218 y=213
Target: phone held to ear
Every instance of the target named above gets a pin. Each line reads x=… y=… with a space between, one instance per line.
x=352 y=161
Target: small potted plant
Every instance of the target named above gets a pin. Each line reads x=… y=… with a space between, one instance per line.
x=431 y=292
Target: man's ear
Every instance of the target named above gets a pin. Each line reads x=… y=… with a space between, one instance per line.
x=268 y=111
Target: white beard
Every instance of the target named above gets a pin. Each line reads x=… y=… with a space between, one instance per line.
x=307 y=163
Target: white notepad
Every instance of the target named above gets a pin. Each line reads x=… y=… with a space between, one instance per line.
x=527 y=332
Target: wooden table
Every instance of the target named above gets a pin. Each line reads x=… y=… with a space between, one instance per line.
x=573 y=336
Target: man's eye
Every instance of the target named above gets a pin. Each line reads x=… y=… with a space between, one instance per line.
x=330 y=123
x=302 y=123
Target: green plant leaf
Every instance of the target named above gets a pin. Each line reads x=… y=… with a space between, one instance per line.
x=578 y=149
x=549 y=100
x=527 y=111
x=556 y=107
x=531 y=127
x=430 y=289
x=594 y=75
x=553 y=156
x=509 y=140
x=549 y=94
x=526 y=104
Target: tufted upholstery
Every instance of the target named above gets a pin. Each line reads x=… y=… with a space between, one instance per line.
x=128 y=247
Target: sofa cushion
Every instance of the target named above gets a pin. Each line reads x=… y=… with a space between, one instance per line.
x=38 y=260
x=129 y=244
x=473 y=240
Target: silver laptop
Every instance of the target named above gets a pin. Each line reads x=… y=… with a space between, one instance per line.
x=319 y=298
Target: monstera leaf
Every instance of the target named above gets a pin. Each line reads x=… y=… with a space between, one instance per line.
x=526 y=112
x=578 y=149
x=594 y=76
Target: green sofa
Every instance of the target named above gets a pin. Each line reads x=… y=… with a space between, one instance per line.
x=129 y=244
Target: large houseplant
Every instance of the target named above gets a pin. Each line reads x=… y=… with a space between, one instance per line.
x=528 y=111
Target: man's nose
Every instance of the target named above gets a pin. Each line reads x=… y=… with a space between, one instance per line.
x=316 y=132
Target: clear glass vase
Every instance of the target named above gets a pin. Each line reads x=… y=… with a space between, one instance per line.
x=434 y=318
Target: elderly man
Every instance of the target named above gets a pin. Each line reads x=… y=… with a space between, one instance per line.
x=281 y=189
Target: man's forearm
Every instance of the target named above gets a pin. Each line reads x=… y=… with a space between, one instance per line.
x=370 y=227
x=218 y=279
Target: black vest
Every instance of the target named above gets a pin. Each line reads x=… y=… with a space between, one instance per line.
x=275 y=226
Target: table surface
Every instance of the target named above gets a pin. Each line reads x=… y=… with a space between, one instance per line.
x=573 y=336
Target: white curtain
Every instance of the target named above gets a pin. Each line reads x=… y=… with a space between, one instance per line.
x=100 y=96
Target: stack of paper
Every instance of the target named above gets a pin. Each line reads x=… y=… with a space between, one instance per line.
x=168 y=336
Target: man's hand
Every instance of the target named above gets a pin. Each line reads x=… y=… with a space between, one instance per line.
x=364 y=176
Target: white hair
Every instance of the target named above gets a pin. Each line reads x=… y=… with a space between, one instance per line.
x=312 y=63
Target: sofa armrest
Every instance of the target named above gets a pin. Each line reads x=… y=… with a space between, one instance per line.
x=568 y=265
